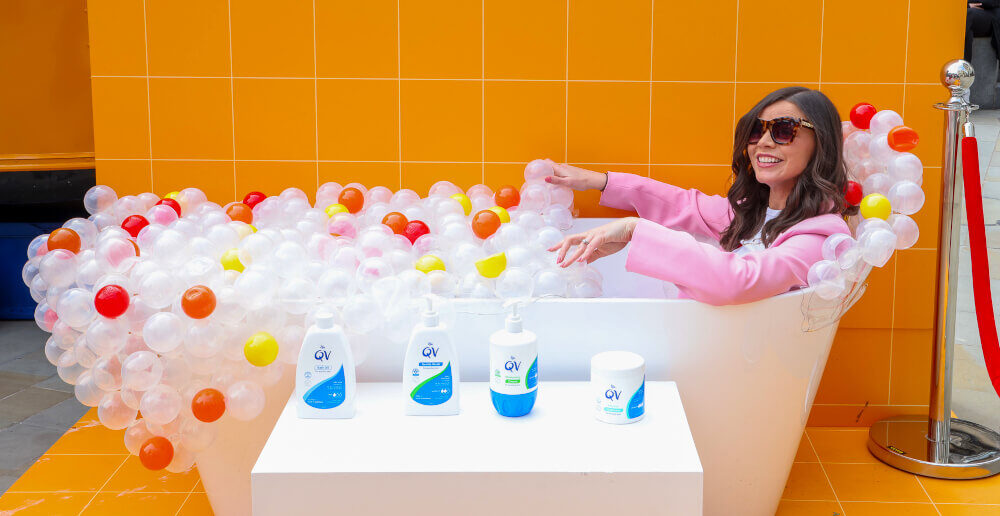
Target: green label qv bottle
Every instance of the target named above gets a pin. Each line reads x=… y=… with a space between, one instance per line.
x=513 y=368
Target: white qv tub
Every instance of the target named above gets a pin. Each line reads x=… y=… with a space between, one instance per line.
x=747 y=376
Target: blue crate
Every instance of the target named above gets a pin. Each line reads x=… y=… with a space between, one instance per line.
x=15 y=300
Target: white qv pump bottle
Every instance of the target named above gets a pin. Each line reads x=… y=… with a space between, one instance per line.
x=325 y=384
x=430 y=370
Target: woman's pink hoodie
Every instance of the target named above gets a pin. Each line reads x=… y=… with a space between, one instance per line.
x=663 y=247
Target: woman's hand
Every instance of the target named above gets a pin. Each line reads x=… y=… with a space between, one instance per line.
x=597 y=243
x=577 y=178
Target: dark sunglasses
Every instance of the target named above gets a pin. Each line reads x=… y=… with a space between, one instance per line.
x=783 y=129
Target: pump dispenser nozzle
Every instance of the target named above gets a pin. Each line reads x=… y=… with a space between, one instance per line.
x=513 y=323
x=430 y=317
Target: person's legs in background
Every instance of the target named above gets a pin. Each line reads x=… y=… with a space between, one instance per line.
x=978 y=24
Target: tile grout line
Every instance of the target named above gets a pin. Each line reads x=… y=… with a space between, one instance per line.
x=566 y=84
x=232 y=90
x=649 y=136
x=906 y=57
x=315 y=98
x=736 y=54
x=825 y=474
x=195 y=486
x=928 y=495
x=149 y=108
x=399 y=100
x=512 y=79
x=85 y=507
x=482 y=87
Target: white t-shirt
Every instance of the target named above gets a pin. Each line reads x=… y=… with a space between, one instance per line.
x=756 y=244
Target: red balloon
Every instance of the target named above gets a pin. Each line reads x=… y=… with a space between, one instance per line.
x=172 y=203
x=853 y=193
x=156 y=453
x=507 y=196
x=208 y=405
x=396 y=221
x=111 y=301
x=352 y=199
x=485 y=223
x=134 y=224
x=861 y=115
x=415 y=229
x=198 y=302
x=253 y=198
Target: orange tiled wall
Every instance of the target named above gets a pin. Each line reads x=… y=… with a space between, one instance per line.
x=238 y=95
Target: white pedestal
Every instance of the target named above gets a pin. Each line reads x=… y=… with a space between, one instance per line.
x=557 y=460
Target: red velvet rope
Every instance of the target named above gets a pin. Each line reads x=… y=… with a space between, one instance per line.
x=980 y=261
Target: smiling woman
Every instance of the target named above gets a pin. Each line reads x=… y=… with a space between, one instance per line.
x=787 y=196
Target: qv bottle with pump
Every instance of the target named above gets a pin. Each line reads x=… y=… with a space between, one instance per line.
x=325 y=383
x=513 y=368
x=430 y=370
x=618 y=385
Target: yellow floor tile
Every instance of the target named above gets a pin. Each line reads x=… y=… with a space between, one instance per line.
x=801 y=508
x=134 y=477
x=197 y=505
x=47 y=504
x=146 y=504
x=807 y=482
x=874 y=483
x=57 y=473
x=948 y=509
x=839 y=445
x=981 y=491
x=805 y=452
x=90 y=436
x=889 y=509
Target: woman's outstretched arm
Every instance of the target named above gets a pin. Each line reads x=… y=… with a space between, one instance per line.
x=668 y=205
x=710 y=275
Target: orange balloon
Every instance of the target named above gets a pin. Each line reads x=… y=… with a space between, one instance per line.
x=208 y=405
x=241 y=212
x=352 y=199
x=156 y=453
x=507 y=196
x=198 y=302
x=64 y=238
x=485 y=223
x=902 y=138
x=396 y=221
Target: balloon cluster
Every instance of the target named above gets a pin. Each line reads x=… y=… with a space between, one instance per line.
x=885 y=179
x=169 y=314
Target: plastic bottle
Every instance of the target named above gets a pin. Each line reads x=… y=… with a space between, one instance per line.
x=430 y=369
x=325 y=383
x=513 y=368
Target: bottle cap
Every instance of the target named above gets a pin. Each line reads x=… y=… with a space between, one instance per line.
x=513 y=323
x=325 y=320
x=430 y=317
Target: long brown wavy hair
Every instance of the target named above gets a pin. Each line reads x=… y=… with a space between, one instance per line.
x=819 y=189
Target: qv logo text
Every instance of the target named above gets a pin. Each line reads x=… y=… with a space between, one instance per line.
x=430 y=351
x=612 y=393
x=511 y=365
x=322 y=354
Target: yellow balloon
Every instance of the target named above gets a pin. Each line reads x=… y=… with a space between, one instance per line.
x=172 y=195
x=428 y=263
x=502 y=213
x=242 y=228
x=492 y=266
x=261 y=349
x=334 y=209
x=875 y=206
x=231 y=261
x=252 y=228
x=464 y=201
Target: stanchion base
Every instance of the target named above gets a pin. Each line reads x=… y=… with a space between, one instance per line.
x=902 y=443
